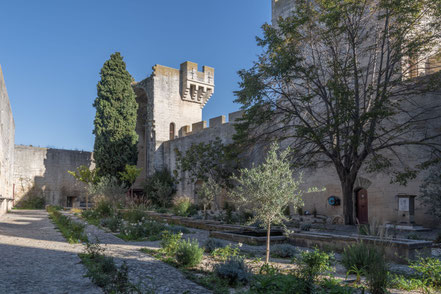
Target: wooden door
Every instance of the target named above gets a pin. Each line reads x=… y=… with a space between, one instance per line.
x=362 y=206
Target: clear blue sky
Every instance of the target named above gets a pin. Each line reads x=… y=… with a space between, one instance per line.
x=51 y=53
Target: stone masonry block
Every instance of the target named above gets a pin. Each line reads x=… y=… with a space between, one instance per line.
x=232 y=117
x=197 y=127
x=217 y=121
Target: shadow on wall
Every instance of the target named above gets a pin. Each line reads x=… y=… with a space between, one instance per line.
x=43 y=176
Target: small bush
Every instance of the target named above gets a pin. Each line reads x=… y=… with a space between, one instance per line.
x=160 y=188
x=429 y=269
x=407 y=283
x=149 y=229
x=170 y=242
x=211 y=244
x=283 y=251
x=377 y=275
x=279 y=283
x=357 y=256
x=104 y=273
x=181 y=206
x=369 y=260
x=103 y=208
x=223 y=253
x=189 y=254
x=311 y=265
x=112 y=223
x=31 y=202
x=134 y=215
x=234 y=270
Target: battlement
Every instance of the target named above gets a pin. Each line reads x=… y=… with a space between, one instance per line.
x=196 y=86
x=214 y=122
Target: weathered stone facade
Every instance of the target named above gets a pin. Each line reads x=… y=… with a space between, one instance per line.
x=43 y=172
x=7 y=135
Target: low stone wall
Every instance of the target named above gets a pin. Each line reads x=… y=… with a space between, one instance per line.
x=398 y=250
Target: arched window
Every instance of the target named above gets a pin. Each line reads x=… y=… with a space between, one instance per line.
x=172 y=131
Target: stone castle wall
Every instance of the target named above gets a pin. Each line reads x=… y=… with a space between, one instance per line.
x=43 y=171
x=7 y=135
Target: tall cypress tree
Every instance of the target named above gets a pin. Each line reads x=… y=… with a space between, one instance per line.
x=115 y=119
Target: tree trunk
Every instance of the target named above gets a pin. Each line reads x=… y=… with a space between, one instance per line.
x=87 y=201
x=205 y=212
x=348 y=201
x=268 y=240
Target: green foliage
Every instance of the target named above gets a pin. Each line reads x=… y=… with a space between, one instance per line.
x=312 y=264
x=408 y=283
x=85 y=174
x=189 y=254
x=358 y=256
x=332 y=286
x=206 y=160
x=143 y=230
x=283 y=251
x=363 y=259
x=234 y=270
x=104 y=273
x=113 y=223
x=429 y=269
x=108 y=189
x=181 y=206
x=277 y=284
x=31 y=200
x=223 y=253
x=212 y=244
x=115 y=120
x=170 y=243
x=207 y=193
x=71 y=230
x=267 y=189
x=129 y=175
x=431 y=191
x=134 y=215
x=160 y=187
x=337 y=108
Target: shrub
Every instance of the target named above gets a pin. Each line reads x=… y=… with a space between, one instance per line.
x=407 y=283
x=181 y=206
x=223 y=253
x=104 y=273
x=113 y=223
x=160 y=188
x=188 y=253
x=283 y=251
x=278 y=283
x=234 y=270
x=311 y=265
x=103 y=208
x=356 y=256
x=211 y=244
x=429 y=269
x=150 y=230
x=134 y=215
x=377 y=276
x=170 y=242
x=31 y=201
x=362 y=259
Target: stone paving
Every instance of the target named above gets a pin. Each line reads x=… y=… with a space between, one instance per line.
x=154 y=274
x=35 y=258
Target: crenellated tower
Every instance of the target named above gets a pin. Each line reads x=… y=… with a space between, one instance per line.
x=169 y=101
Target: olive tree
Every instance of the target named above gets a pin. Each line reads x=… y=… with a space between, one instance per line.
x=267 y=189
x=207 y=192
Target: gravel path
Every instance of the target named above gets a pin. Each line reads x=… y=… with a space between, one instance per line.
x=35 y=258
x=154 y=274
